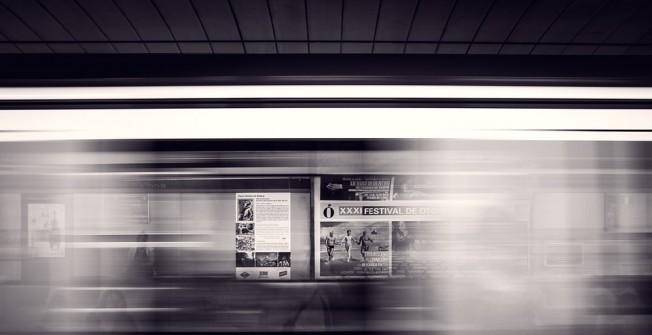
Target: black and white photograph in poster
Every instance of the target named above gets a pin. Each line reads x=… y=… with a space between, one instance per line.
x=244 y=259
x=263 y=236
x=46 y=229
x=244 y=228
x=356 y=188
x=266 y=259
x=354 y=249
x=244 y=243
x=245 y=209
x=284 y=259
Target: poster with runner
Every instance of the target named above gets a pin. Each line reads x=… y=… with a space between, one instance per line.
x=409 y=226
x=263 y=236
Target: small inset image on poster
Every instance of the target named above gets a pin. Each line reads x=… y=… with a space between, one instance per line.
x=266 y=259
x=244 y=228
x=244 y=243
x=244 y=259
x=364 y=188
x=46 y=230
x=246 y=209
x=354 y=249
x=284 y=259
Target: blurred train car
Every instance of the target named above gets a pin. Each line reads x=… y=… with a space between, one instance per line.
x=528 y=236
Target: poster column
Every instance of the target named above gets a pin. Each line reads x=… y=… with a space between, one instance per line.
x=262 y=236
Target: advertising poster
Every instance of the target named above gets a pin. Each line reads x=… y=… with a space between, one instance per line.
x=401 y=226
x=46 y=229
x=354 y=249
x=356 y=188
x=262 y=236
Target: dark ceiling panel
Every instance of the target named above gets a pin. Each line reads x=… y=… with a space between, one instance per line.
x=34 y=48
x=14 y=28
x=573 y=20
x=217 y=19
x=325 y=47
x=541 y=27
x=110 y=19
x=536 y=20
x=195 y=48
x=610 y=50
x=395 y=20
x=516 y=49
x=634 y=27
x=360 y=18
x=130 y=48
x=430 y=20
x=292 y=47
x=502 y=18
x=182 y=19
x=260 y=47
x=100 y=48
x=548 y=49
x=39 y=20
x=484 y=49
x=420 y=48
x=608 y=20
x=9 y=49
x=289 y=18
x=579 y=49
x=465 y=20
x=254 y=19
x=356 y=48
x=228 y=48
x=75 y=19
x=149 y=24
x=388 y=48
x=452 y=48
x=324 y=20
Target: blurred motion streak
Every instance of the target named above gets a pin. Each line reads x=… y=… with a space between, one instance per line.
x=545 y=237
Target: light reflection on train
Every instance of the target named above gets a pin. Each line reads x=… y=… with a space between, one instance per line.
x=545 y=236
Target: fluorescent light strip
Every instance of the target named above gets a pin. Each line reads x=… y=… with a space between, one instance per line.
x=307 y=123
x=324 y=92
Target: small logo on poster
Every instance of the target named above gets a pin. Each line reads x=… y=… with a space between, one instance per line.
x=244 y=275
x=329 y=211
x=263 y=275
x=282 y=273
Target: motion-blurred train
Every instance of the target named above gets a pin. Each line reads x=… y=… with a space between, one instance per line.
x=138 y=236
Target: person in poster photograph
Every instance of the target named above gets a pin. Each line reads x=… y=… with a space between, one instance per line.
x=347 y=240
x=330 y=245
x=245 y=210
x=373 y=238
x=284 y=259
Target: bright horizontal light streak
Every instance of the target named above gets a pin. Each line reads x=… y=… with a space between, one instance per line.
x=324 y=92
x=103 y=245
x=310 y=123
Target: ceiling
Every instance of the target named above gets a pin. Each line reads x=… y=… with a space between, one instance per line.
x=516 y=27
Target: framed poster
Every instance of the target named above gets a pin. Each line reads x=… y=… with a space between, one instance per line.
x=263 y=236
x=45 y=225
